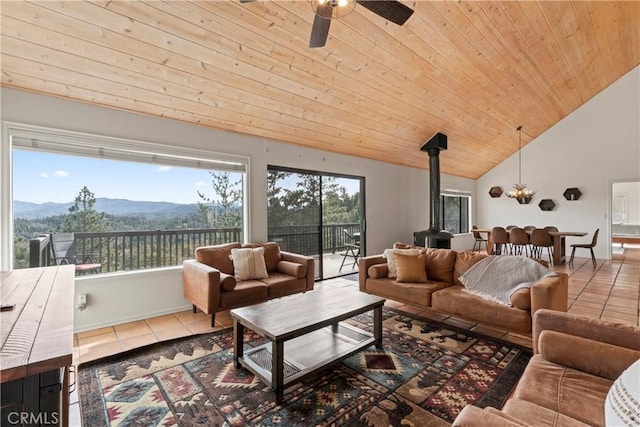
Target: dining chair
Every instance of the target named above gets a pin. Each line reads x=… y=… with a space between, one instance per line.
x=540 y=239
x=477 y=239
x=509 y=227
x=529 y=228
x=590 y=246
x=519 y=239
x=352 y=248
x=551 y=228
x=500 y=239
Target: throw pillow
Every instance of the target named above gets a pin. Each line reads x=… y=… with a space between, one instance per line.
x=411 y=268
x=389 y=254
x=294 y=269
x=248 y=263
x=227 y=282
x=378 y=271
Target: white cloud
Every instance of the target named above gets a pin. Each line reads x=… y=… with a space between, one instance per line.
x=44 y=175
x=61 y=174
x=163 y=169
x=200 y=184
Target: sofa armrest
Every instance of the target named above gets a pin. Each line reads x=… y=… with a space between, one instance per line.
x=550 y=292
x=307 y=261
x=601 y=330
x=472 y=416
x=363 y=268
x=201 y=285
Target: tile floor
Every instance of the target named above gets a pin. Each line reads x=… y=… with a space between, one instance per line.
x=610 y=291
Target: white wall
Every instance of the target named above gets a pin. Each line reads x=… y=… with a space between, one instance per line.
x=396 y=196
x=597 y=144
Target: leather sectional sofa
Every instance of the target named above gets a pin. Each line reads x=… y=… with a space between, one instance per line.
x=210 y=284
x=443 y=290
x=576 y=361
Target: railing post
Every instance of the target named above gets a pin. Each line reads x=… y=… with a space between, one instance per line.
x=158 y=249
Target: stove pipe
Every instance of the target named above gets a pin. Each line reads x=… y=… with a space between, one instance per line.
x=435 y=237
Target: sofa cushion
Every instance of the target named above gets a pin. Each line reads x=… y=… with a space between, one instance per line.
x=272 y=255
x=227 y=282
x=464 y=261
x=248 y=263
x=411 y=293
x=292 y=269
x=217 y=256
x=521 y=299
x=440 y=263
x=390 y=255
x=378 y=271
x=570 y=392
x=280 y=284
x=454 y=300
x=538 y=415
x=411 y=268
x=246 y=293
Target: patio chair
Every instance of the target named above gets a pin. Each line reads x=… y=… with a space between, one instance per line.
x=352 y=249
x=63 y=248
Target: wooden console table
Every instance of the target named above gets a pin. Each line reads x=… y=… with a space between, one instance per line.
x=37 y=345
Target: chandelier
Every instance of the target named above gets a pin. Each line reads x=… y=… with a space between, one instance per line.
x=520 y=192
x=330 y=9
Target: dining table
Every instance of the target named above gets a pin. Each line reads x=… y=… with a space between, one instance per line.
x=558 y=238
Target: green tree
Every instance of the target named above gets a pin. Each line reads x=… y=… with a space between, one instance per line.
x=83 y=216
x=224 y=208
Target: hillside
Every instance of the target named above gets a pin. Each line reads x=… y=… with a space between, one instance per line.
x=28 y=210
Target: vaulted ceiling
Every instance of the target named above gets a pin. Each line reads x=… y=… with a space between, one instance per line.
x=471 y=70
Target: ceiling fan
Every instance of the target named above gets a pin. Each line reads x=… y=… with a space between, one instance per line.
x=391 y=10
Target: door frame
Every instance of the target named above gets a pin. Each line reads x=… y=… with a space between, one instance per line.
x=363 y=204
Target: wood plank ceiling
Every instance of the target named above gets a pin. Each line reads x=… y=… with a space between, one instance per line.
x=472 y=70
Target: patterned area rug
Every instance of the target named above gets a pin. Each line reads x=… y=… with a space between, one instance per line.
x=424 y=375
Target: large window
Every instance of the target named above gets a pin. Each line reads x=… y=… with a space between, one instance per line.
x=455 y=212
x=130 y=205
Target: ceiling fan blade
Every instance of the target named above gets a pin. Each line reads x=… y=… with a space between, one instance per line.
x=391 y=10
x=320 y=28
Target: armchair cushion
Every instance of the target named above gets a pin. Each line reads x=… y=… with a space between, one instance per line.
x=227 y=282
x=248 y=263
x=292 y=269
x=217 y=256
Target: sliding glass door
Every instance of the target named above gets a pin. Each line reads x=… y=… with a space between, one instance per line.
x=317 y=214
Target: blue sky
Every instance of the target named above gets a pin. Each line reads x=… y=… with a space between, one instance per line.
x=42 y=177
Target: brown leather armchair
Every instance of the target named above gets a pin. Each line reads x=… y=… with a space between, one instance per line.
x=210 y=284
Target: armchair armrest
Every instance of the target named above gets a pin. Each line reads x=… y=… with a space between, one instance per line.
x=201 y=285
x=307 y=261
x=551 y=293
x=597 y=346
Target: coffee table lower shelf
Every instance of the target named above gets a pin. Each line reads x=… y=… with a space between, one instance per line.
x=306 y=354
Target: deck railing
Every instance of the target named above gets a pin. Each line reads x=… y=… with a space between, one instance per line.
x=136 y=250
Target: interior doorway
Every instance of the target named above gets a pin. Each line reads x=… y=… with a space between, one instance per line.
x=318 y=214
x=625 y=217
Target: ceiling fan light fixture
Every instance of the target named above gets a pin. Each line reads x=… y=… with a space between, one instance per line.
x=333 y=9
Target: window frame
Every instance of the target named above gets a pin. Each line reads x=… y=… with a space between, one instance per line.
x=459 y=194
x=18 y=135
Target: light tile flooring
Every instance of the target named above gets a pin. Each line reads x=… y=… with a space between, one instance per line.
x=610 y=291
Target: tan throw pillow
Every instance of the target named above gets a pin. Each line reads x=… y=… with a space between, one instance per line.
x=248 y=263
x=411 y=268
x=390 y=254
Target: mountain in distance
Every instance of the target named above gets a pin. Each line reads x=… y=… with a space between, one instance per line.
x=29 y=210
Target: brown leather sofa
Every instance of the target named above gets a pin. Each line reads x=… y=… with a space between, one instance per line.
x=443 y=290
x=210 y=285
x=576 y=360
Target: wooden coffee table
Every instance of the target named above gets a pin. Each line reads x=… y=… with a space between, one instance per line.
x=311 y=326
